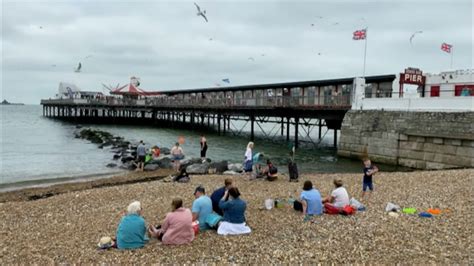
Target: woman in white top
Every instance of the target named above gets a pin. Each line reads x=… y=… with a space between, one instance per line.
x=248 y=162
x=339 y=196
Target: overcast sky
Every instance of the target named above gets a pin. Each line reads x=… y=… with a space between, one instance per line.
x=169 y=47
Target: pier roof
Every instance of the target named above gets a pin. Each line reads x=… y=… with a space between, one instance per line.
x=317 y=83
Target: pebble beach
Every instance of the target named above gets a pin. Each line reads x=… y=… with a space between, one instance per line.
x=66 y=227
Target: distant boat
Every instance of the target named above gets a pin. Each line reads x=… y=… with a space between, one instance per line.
x=5 y=102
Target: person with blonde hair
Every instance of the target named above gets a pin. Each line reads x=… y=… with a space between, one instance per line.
x=177 y=227
x=131 y=232
x=248 y=162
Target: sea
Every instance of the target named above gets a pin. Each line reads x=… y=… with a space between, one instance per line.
x=37 y=151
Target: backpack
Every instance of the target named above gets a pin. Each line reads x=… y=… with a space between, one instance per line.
x=293 y=171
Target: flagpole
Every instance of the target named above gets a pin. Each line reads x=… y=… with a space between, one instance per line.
x=365 y=51
x=452 y=54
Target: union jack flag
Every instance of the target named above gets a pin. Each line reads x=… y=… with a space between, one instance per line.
x=359 y=34
x=446 y=47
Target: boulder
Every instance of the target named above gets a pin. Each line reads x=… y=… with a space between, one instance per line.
x=165 y=151
x=116 y=156
x=230 y=172
x=220 y=167
x=127 y=158
x=162 y=162
x=236 y=167
x=151 y=167
x=185 y=163
x=198 y=169
x=111 y=165
x=195 y=160
x=128 y=166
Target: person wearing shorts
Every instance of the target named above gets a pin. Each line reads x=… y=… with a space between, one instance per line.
x=177 y=155
x=248 y=163
x=141 y=154
x=369 y=171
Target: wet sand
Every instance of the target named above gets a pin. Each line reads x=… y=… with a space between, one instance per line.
x=66 y=227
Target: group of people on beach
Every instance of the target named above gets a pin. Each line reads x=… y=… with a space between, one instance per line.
x=224 y=211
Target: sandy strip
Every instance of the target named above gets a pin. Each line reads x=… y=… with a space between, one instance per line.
x=65 y=228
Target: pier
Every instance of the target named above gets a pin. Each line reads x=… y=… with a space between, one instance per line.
x=295 y=110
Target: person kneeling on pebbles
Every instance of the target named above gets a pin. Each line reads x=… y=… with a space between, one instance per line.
x=131 y=232
x=338 y=198
x=233 y=222
x=177 y=228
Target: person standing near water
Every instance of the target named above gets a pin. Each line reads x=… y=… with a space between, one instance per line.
x=203 y=148
x=248 y=162
x=178 y=154
x=141 y=154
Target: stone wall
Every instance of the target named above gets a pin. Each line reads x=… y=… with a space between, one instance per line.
x=423 y=140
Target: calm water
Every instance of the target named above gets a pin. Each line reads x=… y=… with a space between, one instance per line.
x=34 y=148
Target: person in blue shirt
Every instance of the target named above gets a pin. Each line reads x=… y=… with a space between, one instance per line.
x=367 y=181
x=310 y=202
x=233 y=222
x=131 y=232
x=219 y=193
x=202 y=207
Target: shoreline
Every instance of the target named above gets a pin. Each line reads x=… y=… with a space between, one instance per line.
x=47 y=190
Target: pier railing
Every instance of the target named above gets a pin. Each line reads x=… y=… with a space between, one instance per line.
x=318 y=102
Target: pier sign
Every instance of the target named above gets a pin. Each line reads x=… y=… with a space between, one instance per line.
x=412 y=76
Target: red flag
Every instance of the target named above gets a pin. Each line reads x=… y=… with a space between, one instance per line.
x=446 y=47
x=359 y=35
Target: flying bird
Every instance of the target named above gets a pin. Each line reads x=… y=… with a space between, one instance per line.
x=78 y=69
x=413 y=36
x=262 y=54
x=210 y=39
x=335 y=23
x=41 y=27
x=251 y=59
x=226 y=80
x=201 y=13
x=312 y=24
x=89 y=56
x=53 y=65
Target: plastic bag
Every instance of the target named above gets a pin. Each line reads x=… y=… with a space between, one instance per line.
x=356 y=204
x=392 y=207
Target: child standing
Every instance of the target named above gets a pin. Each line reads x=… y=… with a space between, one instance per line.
x=369 y=171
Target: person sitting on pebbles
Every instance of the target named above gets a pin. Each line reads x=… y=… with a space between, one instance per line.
x=177 y=227
x=202 y=208
x=310 y=200
x=131 y=232
x=233 y=222
x=338 y=198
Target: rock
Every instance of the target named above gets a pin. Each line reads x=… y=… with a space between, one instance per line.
x=185 y=163
x=128 y=166
x=116 y=156
x=127 y=158
x=165 y=151
x=162 y=162
x=151 y=167
x=198 y=169
x=111 y=165
x=220 y=167
x=195 y=160
x=230 y=172
x=236 y=167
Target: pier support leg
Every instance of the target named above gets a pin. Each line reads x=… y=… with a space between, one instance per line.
x=252 y=129
x=320 y=125
x=288 y=129
x=224 y=127
x=335 y=138
x=282 y=126
x=219 y=124
x=297 y=120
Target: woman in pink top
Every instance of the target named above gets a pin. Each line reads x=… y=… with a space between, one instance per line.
x=177 y=227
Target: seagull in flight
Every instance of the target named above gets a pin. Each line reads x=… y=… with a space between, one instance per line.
x=251 y=59
x=413 y=35
x=201 y=13
x=78 y=69
x=89 y=56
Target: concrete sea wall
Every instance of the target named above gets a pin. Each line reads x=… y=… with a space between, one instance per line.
x=422 y=140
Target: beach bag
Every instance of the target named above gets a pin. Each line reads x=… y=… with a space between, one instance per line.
x=293 y=171
x=348 y=210
x=213 y=219
x=297 y=206
x=331 y=209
